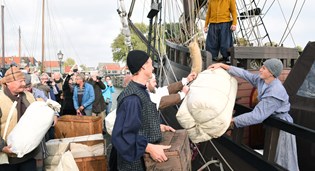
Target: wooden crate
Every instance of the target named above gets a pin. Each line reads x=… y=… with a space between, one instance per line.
x=73 y=126
x=91 y=163
x=179 y=155
x=95 y=163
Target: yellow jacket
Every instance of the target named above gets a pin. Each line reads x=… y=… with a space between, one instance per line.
x=220 y=11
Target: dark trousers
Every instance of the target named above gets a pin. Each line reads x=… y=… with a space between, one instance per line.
x=219 y=38
x=28 y=165
x=50 y=134
x=113 y=159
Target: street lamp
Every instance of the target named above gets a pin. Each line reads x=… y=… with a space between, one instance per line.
x=60 y=56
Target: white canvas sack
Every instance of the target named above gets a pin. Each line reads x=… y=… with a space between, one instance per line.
x=206 y=111
x=110 y=121
x=67 y=162
x=32 y=127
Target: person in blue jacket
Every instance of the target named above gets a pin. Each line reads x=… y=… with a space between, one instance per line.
x=83 y=96
x=107 y=94
x=273 y=100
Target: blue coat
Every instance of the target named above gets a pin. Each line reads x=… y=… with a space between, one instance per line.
x=87 y=99
x=107 y=92
x=273 y=100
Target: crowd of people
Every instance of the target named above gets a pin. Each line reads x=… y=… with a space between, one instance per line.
x=77 y=93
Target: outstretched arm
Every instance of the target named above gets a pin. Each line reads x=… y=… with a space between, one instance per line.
x=219 y=65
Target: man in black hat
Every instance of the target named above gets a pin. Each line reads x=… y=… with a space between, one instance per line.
x=137 y=127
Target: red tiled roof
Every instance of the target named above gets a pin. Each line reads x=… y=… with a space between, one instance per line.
x=51 y=63
x=17 y=60
x=124 y=68
x=111 y=67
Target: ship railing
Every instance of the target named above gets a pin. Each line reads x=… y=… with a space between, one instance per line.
x=244 y=55
x=273 y=126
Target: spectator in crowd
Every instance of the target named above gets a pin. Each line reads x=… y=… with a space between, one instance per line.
x=50 y=89
x=83 y=96
x=37 y=93
x=98 y=108
x=107 y=93
x=48 y=86
x=13 y=90
x=57 y=79
x=67 y=92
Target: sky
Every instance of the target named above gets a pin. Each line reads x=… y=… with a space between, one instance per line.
x=84 y=30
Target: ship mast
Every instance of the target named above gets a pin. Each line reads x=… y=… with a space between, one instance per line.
x=19 y=42
x=2 y=28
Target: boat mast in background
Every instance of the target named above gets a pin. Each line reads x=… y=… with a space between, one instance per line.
x=20 y=47
x=2 y=28
x=43 y=37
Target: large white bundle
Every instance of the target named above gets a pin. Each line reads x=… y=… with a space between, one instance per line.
x=206 y=111
x=110 y=121
x=67 y=162
x=32 y=127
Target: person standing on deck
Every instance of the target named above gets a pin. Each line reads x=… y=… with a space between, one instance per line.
x=273 y=100
x=219 y=26
x=137 y=128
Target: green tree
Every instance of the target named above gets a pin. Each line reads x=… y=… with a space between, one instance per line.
x=120 y=50
x=69 y=62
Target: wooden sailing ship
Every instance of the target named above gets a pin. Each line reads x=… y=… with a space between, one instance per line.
x=234 y=151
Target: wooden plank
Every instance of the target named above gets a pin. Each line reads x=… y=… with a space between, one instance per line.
x=242 y=52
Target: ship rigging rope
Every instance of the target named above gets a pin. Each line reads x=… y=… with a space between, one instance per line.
x=172 y=71
x=14 y=22
x=53 y=33
x=287 y=22
x=289 y=32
